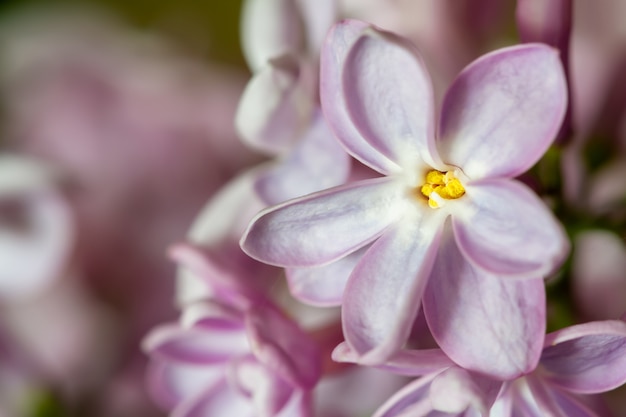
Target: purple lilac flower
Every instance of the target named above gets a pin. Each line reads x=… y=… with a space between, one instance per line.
x=236 y=354
x=498 y=118
x=588 y=358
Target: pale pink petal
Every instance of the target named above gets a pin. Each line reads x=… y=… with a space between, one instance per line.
x=456 y=390
x=217 y=401
x=199 y=346
x=571 y=406
x=218 y=228
x=587 y=358
x=403 y=362
x=316 y=163
x=383 y=294
x=485 y=323
x=388 y=94
x=338 y=44
x=276 y=107
x=267 y=391
x=170 y=384
x=323 y=227
x=36 y=236
x=280 y=345
x=318 y=17
x=412 y=400
x=598 y=266
x=270 y=28
x=503 y=111
x=323 y=286
x=299 y=405
x=505 y=229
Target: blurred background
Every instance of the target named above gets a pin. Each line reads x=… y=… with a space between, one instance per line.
x=128 y=107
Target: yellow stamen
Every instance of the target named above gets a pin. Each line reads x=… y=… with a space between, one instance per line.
x=441 y=186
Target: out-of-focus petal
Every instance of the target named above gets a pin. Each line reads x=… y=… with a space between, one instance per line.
x=545 y=22
x=485 y=323
x=549 y=22
x=456 y=390
x=216 y=401
x=505 y=229
x=338 y=44
x=269 y=29
x=325 y=226
x=279 y=344
x=19 y=174
x=598 y=266
x=218 y=229
x=323 y=286
x=318 y=162
x=36 y=235
x=503 y=111
x=388 y=95
x=318 y=17
x=266 y=390
x=587 y=358
x=276 y=107
x=384 y=291
x=412 y=400
x=169 y=384
x=571 y=406
x=403 y=362
x=199 y=346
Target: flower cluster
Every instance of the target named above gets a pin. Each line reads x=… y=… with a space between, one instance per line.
x=412 y=214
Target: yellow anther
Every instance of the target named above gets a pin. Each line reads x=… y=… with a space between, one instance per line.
x=441 y=186
x=435 y=178
x=453 y=189
x=427 y=189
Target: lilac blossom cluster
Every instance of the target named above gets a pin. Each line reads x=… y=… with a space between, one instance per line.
x=420 y=214
x=406 y=247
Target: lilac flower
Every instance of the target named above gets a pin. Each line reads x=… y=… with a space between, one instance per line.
x=221 y=361
x=498 y=118
x=583 y=359
x=281 y=41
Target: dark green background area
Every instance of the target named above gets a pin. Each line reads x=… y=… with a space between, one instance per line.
x=209 y=28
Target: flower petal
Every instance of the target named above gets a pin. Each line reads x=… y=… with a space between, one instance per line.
x=170 y=384
x=270 y=28
x=389 y=97
x=276 y=107
x=587 y=358
x=323 y=227
x=217 y=401
x=280 y=345
x=317 y=162
x=383 y=294
x=197 y=346
x=323 y=286
x=456 y=390
x=268 y=392
x=35 y=240
x=340 y=40
x=505 y=229
x=503 y=111
x=483 y=322
x=217 y=230
x=412 y=400
x=404 y=362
